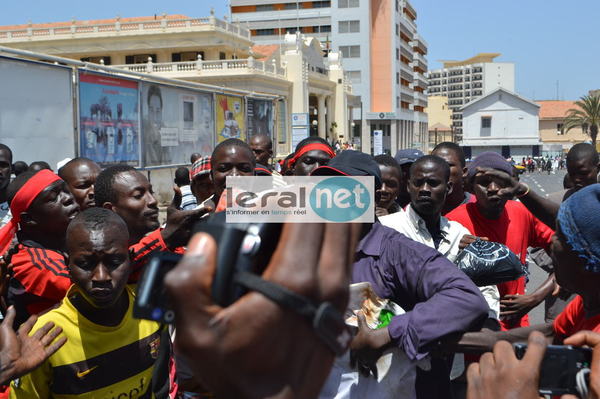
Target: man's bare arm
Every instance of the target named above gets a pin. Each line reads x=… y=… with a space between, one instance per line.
x=484 y=341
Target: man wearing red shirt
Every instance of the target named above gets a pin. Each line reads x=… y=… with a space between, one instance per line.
x=576 y=251
x=42 y=207
x=507 y=222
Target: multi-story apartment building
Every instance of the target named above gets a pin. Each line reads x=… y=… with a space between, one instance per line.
x=383 y=56
x=466 y=80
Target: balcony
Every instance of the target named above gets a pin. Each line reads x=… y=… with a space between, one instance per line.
x=420 y=80
x=419 y=64
x=188 y=69
x=406 y=71
x=420 y=98
x=408 y=23
x=421 y=59
x=406 y=50
x=79 y=29
x=420 y=42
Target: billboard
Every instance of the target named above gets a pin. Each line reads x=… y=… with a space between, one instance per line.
x=231 y=121
x=36 y=110
x=108 y=119
x=175 y=124
x=260 y=117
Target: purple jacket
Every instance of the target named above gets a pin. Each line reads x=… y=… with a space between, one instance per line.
x=438 y=298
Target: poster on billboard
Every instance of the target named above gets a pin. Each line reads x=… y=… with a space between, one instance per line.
x=109 y=130
x=377 y=142
x=299 y=133
x=175 y=124
x=36 y=110
x=231 y=121
x=260 y=117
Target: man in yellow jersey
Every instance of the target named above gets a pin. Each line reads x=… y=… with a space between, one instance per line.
x=108 y=353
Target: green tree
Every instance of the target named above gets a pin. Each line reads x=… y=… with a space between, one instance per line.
x=586 y=116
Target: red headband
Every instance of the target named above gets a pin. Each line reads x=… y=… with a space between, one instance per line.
x=22 y=201
x=310 y=147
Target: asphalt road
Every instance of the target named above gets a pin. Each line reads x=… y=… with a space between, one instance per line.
x=544 y=184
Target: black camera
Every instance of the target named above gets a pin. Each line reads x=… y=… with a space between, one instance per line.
x=240 y=247
x=560 y=366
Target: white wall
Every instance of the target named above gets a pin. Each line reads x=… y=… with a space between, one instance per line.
x=498 y=74
x=514 y=121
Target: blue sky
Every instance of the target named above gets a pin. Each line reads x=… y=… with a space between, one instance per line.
x=548 y=40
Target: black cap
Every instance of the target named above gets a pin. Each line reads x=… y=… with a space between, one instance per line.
x=407 y=155
x=351 y=163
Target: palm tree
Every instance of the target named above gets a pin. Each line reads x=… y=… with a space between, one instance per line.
x=586 y=116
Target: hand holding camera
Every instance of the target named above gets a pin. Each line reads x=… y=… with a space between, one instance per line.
x=245 y=349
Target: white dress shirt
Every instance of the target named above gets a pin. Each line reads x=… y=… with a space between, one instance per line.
x=409 y=223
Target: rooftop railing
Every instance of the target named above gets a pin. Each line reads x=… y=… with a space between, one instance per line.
x=161 y=24
x=201 y=67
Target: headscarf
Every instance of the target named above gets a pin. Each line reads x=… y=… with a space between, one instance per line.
x=21 y=203
x=579 y=218
x=310 y=147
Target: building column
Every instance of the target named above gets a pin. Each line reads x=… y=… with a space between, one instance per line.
x=322 y=128
x=365 y=137
x=393 y=136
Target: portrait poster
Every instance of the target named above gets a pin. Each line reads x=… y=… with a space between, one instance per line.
x=260 y=117
x=108 y=119
x=175 y=124
x=231 y=121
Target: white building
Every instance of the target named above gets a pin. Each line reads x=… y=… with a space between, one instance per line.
x=501 y=121
x=466 y=80
x=383 y=56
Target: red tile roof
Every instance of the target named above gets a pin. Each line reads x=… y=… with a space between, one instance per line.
x=92 y=22
x=440 y=127
x=266 y=50
x=552 y=109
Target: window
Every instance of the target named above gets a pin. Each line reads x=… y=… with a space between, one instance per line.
x=97 y=60
x=264 y=7
x=486 y=122
x=222 y=55
x=397 y=78
x=397 y=53
x=264 y=32
x=560 y=128
x=350 y=51
x=321 y=4
x=139 y=58
x=322 y=28
x=397 y=102
x=354 y=76
x=349 y=26
x=397 y=30
x=290 y=6
x=186 y=56
x=348 y=3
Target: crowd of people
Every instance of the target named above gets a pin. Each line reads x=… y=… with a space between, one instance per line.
x=75 y=243
x=541 y=164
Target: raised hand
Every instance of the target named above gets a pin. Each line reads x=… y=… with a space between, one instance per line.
x=20 y=352
x=178 y=229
